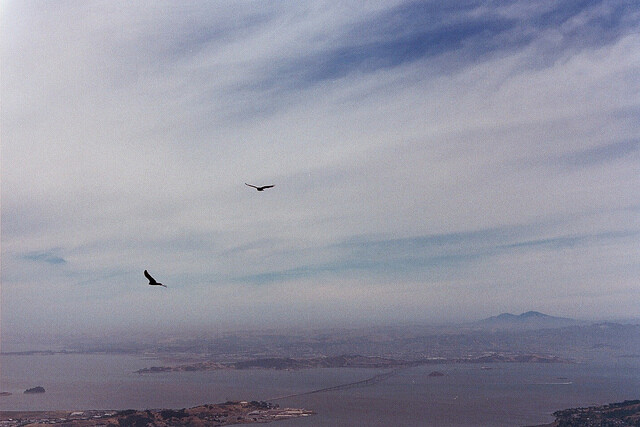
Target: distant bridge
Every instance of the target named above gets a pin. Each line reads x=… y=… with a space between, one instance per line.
x=369 y=381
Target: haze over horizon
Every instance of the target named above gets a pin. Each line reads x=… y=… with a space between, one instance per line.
x=432 y=162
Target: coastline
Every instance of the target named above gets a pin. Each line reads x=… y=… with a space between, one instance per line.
x=453 y=398
x=220 y=414
x=348 y=361
x=625 y=413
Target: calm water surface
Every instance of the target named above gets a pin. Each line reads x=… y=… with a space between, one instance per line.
x=505 y=395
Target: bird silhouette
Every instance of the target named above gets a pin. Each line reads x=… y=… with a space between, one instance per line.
x=152 y=281
x=260 y=188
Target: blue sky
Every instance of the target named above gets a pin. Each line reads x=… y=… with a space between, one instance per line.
x=432 y=162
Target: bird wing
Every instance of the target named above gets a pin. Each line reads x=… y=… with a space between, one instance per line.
x=267 y=186
x=250 y=185
x=148 y=276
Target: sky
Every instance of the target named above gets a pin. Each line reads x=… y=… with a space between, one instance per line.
x=432 y=161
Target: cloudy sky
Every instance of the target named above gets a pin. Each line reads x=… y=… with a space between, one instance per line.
x=433 y=161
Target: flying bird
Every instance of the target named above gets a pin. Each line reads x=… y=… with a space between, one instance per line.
x=260 y=188
x=152 y=281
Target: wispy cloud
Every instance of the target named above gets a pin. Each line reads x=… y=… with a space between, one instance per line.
x=45 y=256
x=603 y=153
x=445 y=149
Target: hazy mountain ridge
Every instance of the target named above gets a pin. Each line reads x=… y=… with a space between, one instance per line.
x=528 y=320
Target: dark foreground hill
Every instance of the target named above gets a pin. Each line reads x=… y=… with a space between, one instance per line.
x=205 y=415
x=623 y=414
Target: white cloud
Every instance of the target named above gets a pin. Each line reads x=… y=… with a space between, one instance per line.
x=128 y=134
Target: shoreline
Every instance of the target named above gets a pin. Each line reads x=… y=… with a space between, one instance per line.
x=348 y=361
x=219 y=414
x=625 y=413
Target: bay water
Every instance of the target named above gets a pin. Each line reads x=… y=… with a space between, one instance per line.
x=500 y=394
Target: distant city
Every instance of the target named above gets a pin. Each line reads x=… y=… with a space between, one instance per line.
x=528 y=333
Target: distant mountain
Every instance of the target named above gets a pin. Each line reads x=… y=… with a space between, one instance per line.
x=528 y=320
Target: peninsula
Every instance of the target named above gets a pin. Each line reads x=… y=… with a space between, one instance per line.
x=205 y=415
x=350 y=361
x=622 y=414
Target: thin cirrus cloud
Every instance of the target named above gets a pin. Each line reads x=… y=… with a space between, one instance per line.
x=468 y=32
x=601 y=154
x=46 y=256
x=428 y=146
x=443 y=253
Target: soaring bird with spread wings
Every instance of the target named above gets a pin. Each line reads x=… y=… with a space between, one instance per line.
x=260 y=188
x=152 y=281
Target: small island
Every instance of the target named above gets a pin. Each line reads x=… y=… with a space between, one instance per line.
x=38 y=389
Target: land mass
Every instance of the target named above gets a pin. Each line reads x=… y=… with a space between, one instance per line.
x=579 y=342
x=205 y=415
x=351 y=361
x=528 y=333
x=621 y=414
x=528 y=320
